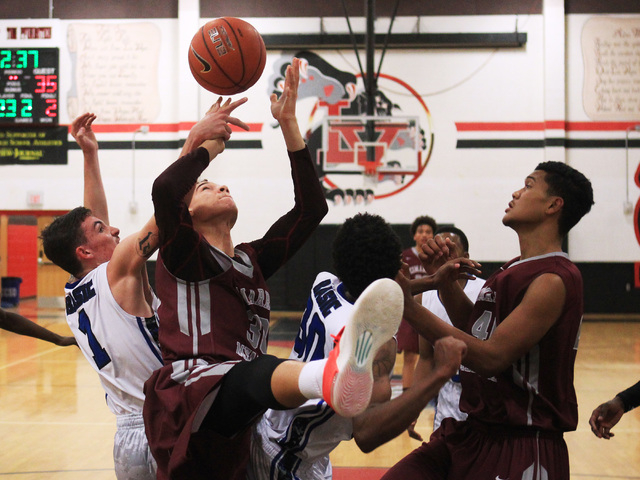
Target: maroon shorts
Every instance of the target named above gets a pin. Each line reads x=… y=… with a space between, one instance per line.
x=407 y=338
x=471 y=451
x=177 y=398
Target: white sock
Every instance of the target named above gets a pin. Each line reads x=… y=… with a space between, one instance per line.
x=310 y=379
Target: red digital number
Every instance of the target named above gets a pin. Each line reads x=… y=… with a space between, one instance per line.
x=46 y=83
x=52 y=108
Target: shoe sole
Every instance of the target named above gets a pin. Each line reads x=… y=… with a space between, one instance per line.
x=375 y=319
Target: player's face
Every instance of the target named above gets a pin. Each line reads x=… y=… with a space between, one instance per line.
x=212 y=201
x=101 y=238
x=528 y=205
x=423 y=233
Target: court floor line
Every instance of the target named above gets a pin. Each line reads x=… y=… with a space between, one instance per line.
x=29 y=358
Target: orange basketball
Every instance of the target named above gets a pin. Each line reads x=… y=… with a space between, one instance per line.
x=227 y=56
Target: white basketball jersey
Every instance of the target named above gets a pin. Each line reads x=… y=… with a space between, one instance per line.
x=299 y=440
x=122 y=348
x=449 y=395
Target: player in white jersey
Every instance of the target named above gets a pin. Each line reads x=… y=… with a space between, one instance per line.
x=123 y=350
x=295 y=443
x=109 y=302
x=448 y=401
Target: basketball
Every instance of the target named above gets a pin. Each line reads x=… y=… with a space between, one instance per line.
x=227 y=56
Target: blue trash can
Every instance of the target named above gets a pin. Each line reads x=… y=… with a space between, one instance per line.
x=10 y=292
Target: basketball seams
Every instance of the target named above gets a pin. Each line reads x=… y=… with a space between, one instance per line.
x=239 y=47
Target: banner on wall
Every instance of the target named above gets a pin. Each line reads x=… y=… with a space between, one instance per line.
x=33 y=146
x=611 y=51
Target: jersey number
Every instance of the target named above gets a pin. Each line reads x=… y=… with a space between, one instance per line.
x=482 y=328
x=100 y=355
x=309 y=344
x=258 y=332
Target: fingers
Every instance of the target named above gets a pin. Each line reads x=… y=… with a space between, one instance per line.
x=411 y=430
x=238 y=123
x=229 y=107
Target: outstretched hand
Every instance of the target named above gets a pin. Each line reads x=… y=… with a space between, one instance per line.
x=284 y=107
x=83 y=134
x=605 y=417
x=215 y=126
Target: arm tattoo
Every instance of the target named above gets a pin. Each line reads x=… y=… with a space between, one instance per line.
x=147 y=245
x=383 y=363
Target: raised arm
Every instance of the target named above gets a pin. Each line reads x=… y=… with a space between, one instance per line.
x=94 y=195
x=288 y=234
x=283 y=108
x=173 y=188
x=525 y=326
x=16 y=323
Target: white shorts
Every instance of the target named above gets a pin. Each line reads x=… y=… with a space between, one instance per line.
x=131 y=454
x=268 y=462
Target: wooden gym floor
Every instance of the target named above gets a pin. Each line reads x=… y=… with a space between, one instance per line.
x=54 y=423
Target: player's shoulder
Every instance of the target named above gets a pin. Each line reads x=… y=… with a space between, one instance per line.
x=326 y=276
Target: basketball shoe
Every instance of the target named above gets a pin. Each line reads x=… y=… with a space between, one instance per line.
x=347 y=378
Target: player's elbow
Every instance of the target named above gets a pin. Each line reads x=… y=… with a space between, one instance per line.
x=366 y=443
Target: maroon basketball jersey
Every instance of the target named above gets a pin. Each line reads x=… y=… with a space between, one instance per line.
x=222 y=318
x=537 y=390
x=410 y=257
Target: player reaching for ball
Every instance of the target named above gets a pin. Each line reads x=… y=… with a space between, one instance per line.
x=214 y=317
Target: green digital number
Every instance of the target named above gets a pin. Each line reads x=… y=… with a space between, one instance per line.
x=22 y=59
x=27 y=107
x=7 y=107
x=5 y=58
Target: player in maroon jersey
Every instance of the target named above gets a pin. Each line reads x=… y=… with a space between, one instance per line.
x=214 y=317
x=422 y=229
x=522 y=337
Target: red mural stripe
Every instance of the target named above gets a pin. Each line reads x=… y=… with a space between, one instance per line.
x=547 y=125
x=161 y=127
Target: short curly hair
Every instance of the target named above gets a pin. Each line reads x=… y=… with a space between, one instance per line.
x=423 y=220
x=365 y=249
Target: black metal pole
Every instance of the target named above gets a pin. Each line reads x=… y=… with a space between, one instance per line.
x=370 y=80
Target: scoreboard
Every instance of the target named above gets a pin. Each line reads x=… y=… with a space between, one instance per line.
x=29 y=86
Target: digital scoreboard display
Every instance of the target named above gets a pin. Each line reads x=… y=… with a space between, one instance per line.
x=29 y=86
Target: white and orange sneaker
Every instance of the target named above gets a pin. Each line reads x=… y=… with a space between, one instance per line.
x=347 y=378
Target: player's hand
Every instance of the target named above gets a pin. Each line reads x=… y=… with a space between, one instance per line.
x=448 y=353
x=67 y=341
x=605 y=417
x=436 y=251
x=216 y=122
x=83 y=134
x=411 y=430
x=456 y=269
x=402 y=279
x=284 y=107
